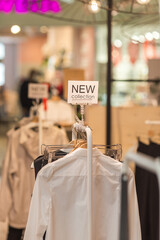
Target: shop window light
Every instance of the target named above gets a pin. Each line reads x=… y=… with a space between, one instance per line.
x=141 y=38
x=149 y=36
x=117 y=43
x=156 y=35
x=135 y=39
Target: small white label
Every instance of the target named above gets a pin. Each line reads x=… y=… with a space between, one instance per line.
x=83 y=92
x=37 y=90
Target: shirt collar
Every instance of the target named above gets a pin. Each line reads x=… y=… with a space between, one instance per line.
x=84 y=152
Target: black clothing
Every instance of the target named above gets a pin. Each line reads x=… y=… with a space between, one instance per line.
x=40 y=162
x=124 y=234
x=148 y=194
x=15 y=234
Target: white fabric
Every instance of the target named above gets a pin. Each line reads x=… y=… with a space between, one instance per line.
x=50 y=136
x=58 y=112
x=59 y=202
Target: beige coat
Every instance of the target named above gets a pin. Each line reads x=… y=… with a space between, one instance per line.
x=17 y=176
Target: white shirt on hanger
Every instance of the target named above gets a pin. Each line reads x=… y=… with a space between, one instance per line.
x=58 y=111
x=59 y=202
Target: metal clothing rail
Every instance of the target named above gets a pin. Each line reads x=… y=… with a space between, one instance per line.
x=138 y=80
x=146 y=162
x=154 y=122
x=81 y=128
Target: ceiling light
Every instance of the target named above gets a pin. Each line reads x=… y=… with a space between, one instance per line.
x=141 y=38
x=149 y=36
x=117 y=43
x=114 y=13
x=94 y=6
x=135 y=39
x=156 y=35
x=143 y=1
x=15 y=29
x=43 y=29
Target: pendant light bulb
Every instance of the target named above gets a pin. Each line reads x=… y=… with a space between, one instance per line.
x=94 y=6
x=15 y=29
x=143 y=1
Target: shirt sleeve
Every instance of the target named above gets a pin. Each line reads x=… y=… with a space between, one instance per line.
x=133 y=210
x=5 y=187
x=39 y=209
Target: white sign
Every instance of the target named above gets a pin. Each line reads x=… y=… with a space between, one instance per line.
x=37 y=90
x=83 y=92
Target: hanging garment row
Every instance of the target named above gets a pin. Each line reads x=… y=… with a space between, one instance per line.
x=17 y=176
x=59 y=202
x=148 y=193
x=52 y=153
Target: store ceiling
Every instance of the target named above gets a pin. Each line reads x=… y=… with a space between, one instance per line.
x=132 y=17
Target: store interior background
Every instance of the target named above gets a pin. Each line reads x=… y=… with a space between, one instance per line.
x=43 y=43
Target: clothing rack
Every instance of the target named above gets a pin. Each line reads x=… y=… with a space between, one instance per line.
x=146 y=162
x=79 y=127
x=138 y=80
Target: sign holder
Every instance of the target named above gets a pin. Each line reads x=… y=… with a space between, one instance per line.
x=38 y=91
x=83 y=93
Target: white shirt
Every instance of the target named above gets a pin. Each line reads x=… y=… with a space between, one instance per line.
x=59 y=202
x=58 y=112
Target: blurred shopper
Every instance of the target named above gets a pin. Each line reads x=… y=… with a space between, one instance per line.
x=25 y=102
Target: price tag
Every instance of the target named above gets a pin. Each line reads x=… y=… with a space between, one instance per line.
x=37 y=90
x=83 y=92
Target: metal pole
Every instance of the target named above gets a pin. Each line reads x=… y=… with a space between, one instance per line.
x=109 y=73
x=89 y=180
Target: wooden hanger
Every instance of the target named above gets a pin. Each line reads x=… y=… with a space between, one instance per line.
x=55 y=98
x=84 y=145
x=156 y=139
x=80 y=142
x=35 y=119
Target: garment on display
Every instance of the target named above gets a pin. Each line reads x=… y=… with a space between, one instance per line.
x=148 y=193
x=147 y=185
x=60 y=197
x=54 y=152
x=124 y=228
x=41 y=161
x=17 y=176
x=50 y=134
x=65 y=179
x=14 y=233
x=58 y=111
